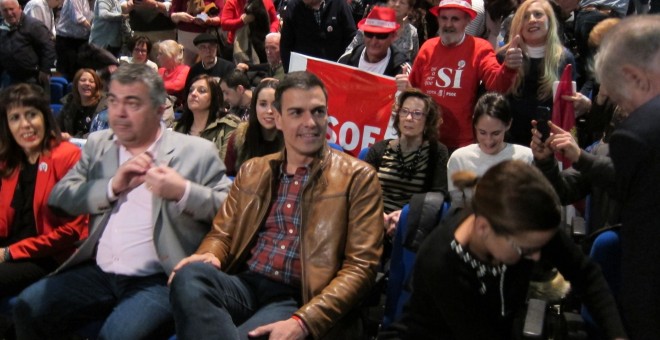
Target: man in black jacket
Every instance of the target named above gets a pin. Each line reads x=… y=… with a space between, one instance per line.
x=27 y=52
x=377 y=54
x=317 y=28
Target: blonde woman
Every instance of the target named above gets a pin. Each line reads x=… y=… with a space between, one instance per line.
x=172 y=69
x=534 y=29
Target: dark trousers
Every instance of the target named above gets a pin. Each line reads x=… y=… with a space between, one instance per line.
x=16 y=275
x=208 y=302
x=67 y=55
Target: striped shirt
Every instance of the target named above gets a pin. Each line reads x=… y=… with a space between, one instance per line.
x=398 y=188
x=277 y=252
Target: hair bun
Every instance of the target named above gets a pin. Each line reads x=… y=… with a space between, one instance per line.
x=464 y=179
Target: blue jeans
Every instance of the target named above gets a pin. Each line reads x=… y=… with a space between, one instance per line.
x=209 y=304
x=135 y=307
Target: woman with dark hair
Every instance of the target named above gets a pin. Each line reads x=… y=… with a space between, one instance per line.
x=33 y=158
x=413 y=163
x=491 y=121
x=84 y=102
x=202 y=114
x=258 y=136
x=140 y=47
x=473 y=270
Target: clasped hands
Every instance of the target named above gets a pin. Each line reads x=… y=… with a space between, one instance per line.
x=161 y=180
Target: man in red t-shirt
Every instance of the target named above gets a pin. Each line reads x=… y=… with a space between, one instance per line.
x=450 y=67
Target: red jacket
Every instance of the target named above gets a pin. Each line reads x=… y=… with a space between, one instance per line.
x=56 y=235
x=231 y=17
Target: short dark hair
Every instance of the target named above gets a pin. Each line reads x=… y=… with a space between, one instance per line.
x=516 y=197
x=139 y=40
x=431 y=109
x=236 y=78
x=297 y=80
x=22 y=95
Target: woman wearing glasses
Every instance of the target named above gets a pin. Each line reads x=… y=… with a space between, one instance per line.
x=491 y=121
x=140 y=47
x=413 y=163
x=473 y=271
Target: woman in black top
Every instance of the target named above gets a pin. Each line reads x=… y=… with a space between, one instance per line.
x=84 y=102
x=472 y=272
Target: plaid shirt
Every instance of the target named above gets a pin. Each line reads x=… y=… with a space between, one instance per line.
x=277 y=252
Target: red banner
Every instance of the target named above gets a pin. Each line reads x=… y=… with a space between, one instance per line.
x=359 y=103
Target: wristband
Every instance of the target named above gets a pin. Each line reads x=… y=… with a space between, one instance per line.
x=7 y=255
x=301 y=324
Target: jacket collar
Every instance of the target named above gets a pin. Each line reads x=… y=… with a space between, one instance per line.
x=320 y=161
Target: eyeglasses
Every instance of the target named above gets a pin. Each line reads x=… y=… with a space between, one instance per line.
x=379 y=36
x=522 y=251
x=140 y=50
x=416 y=115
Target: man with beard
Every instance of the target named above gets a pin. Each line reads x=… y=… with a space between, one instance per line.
x=451 y=66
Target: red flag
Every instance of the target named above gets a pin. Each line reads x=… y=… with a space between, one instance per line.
x=563 y=111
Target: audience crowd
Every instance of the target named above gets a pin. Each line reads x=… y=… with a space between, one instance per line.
x=163 y=172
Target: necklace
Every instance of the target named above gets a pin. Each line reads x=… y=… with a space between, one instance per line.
x=407 y=170
x=481 y=269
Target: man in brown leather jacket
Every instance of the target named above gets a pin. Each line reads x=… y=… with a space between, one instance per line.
x=295 y=246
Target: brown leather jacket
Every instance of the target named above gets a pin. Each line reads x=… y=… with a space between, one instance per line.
x=342 y=231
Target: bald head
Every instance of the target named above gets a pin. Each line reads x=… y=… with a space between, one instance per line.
x=11 y=11
x=273 y=49
x=628 y=62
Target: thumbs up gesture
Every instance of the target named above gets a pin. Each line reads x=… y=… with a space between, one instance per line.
x=513 y=58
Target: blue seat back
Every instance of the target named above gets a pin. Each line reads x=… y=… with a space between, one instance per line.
x=59 y=80
x=606 y=251
x=363 y=154
x=56 y=92
x=336 y=146
x=56 y=108
x=401 y=266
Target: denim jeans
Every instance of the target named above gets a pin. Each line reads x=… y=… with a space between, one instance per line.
x=210 y=304
x=135 y=307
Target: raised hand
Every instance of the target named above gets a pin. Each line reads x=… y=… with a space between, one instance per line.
x=513 y=58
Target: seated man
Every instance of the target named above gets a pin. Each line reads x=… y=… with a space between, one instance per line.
x=377 y=54
x=209 y=63
x=151 y=194
x=272 y=68
x=307 y=251
x=237 y=93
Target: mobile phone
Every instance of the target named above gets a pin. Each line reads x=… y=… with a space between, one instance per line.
x=542 y=118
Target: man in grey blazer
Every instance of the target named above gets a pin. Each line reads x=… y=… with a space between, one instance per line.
x=151 y=195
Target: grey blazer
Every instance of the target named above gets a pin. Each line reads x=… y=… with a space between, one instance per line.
x=176 y=235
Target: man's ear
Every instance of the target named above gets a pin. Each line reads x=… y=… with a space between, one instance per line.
x=482 y=226
x=278 y=118
x=636 y=77
x=240 y=89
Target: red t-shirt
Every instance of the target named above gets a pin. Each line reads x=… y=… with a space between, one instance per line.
x=451 y=75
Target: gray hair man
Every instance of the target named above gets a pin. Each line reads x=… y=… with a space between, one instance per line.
x=151 y=195
x=628 y=68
